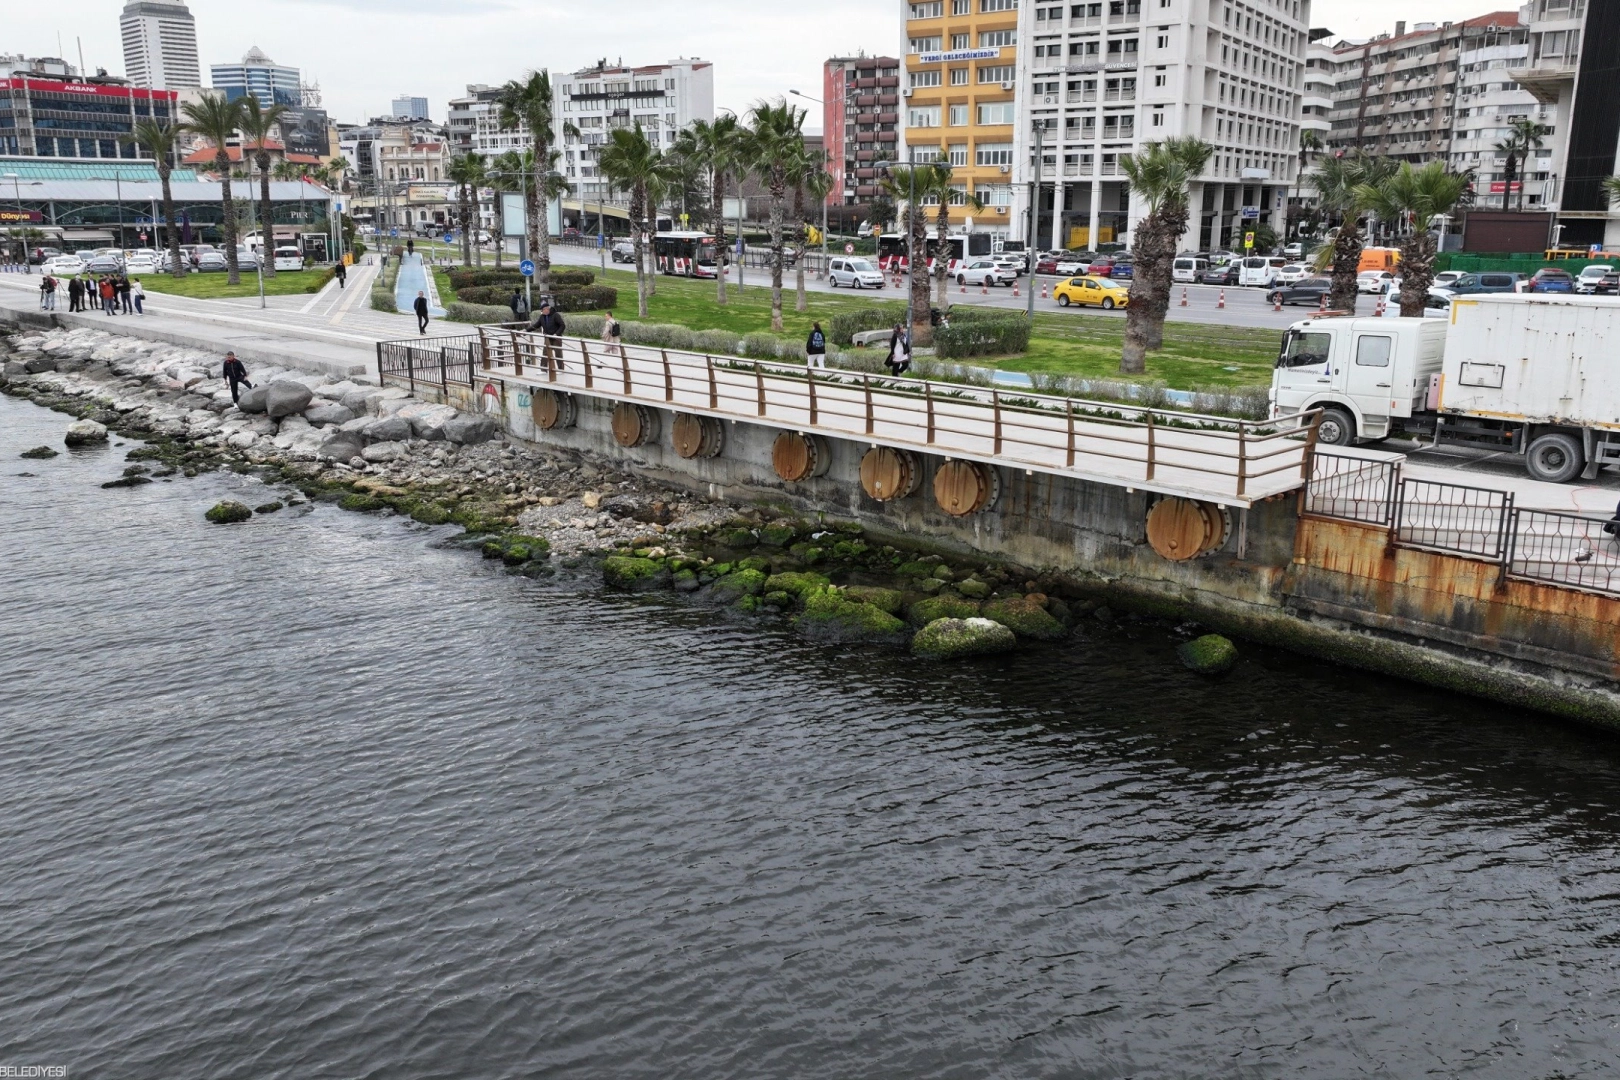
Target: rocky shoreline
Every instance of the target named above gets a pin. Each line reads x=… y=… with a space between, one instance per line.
x=376 y=449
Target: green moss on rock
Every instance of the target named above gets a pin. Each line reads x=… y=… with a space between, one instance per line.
x=228 y=512
x=830 y=615
x=739 y=538
x=778 y=535
x=685 y=581
x=1208 y=655
x=1025 y=616
x=361 y=503
x=40 y=453
x=756 y=562
x=915 y=570
x=951 y=639
x=795 y=584
x=635 y=575
x=935 y=608
x=267 y=508
x=736 y=585
x=973 y=588
x=429 y=513
x=890 y=600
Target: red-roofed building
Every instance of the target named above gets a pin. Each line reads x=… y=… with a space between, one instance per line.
x=203 y=157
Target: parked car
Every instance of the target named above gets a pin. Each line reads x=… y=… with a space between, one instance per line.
x=1293 y=251
x=1124 y=267
x=194 y=252
x=1493 y=281
x=1304 y=291
x=288 y=258
x=212 y=262
x=1373 y=281
x=41 y=255
x=1046 y=264
x=1187 y=269
x=1091 y=291
x=1070 y=265
x=1100 y=267
x=1437 y=302
x=1014 y=263
x=104 y=263
x=1220 y=275
x=854 y=273
x=1289 y=273
x=1593 y=278
x=64 y=266
x=572 y=236
x=624 y=252
x=142 y=262
x=1446 y=277
x=1548 y=280
x=985 y=272
x=247 y=260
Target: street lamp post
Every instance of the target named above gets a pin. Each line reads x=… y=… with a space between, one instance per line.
x=823 y=104
x=1035 y=207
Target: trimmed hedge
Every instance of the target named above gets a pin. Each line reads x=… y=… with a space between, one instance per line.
x=382 y=292
x=486 y=294
x=321 y=280
x=590 y=298
x=842 y=327
x=561 y=278
x=982 y=336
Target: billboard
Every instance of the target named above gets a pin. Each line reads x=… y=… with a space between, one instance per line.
x=305 y=131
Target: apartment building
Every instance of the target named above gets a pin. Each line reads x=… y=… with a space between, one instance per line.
x=1396 y=94
x=160 y=45
x=475 y=124
x=1100 y=79
x=960 y=94
x=1495 y=51
x=860 y=122
x=661 y=98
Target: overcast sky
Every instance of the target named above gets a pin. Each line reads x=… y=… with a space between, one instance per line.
x=363 y=52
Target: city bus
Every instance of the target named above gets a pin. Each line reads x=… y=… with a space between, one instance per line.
x=686 y=254
x=892 y=249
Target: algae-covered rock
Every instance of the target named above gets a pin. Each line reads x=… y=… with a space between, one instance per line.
x=739 y=538
x=361 y=503
x=830 y=615
x=935 y=608
x=795 y=584
x=685 y=581
x=228 y=512
x=930 y=585
x=430 y=513
x=636 y=575
x=951 y=639
x=85 y=433
x=890 y=600
x=778 y=535
x=755 y=562
x=516 y=549
x=268 y=508
x=39 y=452
x=916 y=570
x=1208 y=655
x=1025 y=616
x=973 y=588
x=737 y=585
x=778 y=599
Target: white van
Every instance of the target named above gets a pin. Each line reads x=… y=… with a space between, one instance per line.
x=853 y=273
x=1261 y=270
x=289 y=258
x=1187 y=270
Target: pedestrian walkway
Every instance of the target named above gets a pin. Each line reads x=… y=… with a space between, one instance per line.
x=414 y=278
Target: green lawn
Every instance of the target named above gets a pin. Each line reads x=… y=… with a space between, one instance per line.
x=214 y=287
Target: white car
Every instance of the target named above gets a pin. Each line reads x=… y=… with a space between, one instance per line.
x=1373 y=281
x=288 y=258
x=1014 y=263
x=984 y=272
x=1592 y=277
x=1073 y=267
x=142 y=262
x=1446 y=277
x=853 y=273
x=65 y=266
x=1292 y=272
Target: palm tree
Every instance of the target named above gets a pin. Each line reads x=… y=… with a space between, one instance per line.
x=934 y=183
x=215 y=119
x=1527 y=136
x=775 y=140
x=466 y=171
x=1336 y=179
x=818 y=185
x=1611 y=189
x=717 y=146
x=898 y=186
x=528 y=103
x=338 y=171
x=157 y=138
x=1415 y=197
x=256 y=125
x=632 y=164
x=1159 y=175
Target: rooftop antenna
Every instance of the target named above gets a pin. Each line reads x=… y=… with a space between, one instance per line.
x=82 y=68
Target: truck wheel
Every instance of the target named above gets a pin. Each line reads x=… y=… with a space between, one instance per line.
x=1555 y=457
x=1338 y=428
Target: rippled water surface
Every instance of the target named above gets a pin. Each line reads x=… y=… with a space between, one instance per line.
x=313 y=797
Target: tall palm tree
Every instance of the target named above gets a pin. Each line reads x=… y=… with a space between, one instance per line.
x=338 y=170
x=528 y=103
x=256 y=125
x=1336 y=178
x=157 y=138
x=632 y=164
x=898 y=186
x=935 y=184
x=717 y=145
x=1159 y=175
x=1611 y=189
x=215 y=119
x=1527 y=136
x=774 y=140
x=1414 y=197
x=466 y=171
x=818 y=185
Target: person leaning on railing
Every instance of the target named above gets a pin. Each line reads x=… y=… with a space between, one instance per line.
x=550 y=323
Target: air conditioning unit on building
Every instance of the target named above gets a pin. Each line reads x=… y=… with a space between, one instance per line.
x=1006 y=86
x=1005 y=169
x=1001 y=209
x=906 y=92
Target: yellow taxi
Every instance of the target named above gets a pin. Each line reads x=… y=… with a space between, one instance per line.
x=1093 y=292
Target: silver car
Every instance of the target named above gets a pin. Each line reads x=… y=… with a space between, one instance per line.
x=853 y=273
x=985 y=272
x=212 y=262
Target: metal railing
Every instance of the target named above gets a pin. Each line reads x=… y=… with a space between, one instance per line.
x=1215 y=458
x=1353 y=489
x=440 y=362
x=1565 y=549
x=1454 y=518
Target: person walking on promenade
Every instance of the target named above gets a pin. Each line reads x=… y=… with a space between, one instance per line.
x=899 y=358
x=121 y=283
x=236 y=375
x=612 y=332
x=341 y=272
x=550 y=323
x=75 y=294
x=410 y=247
x=815 y=347
x=519 y=306
x=108 y=295
x=138 y=294
x=421 y=308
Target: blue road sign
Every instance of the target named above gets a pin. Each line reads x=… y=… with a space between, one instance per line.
x=526 y=268
x=394 y=233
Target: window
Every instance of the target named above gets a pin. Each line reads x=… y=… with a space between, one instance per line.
x=926 y=155
x=961 y=41
x=1084 y=48
x=993 y=154
x=994 y=194
x=959 y=76
x=961 y=7
x=1305 y=350
x=1373 y=351
x=958 y=116
x=924 y=45
x=1163 y=41
x=996 y=39
x=928 y=11
x=1159 y=79
x=1158 y=118
x=922 y=116
x=1000 y=112
x=998 y=73
x=957 y=154
x=998 y=5
x=924 y=78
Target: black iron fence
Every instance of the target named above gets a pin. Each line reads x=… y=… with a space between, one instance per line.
x=1453 y=518
x=1565 y=549
x=426 y=362
x=1353 y=489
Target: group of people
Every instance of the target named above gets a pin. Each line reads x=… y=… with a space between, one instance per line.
x=114 y=294
x=898 y=359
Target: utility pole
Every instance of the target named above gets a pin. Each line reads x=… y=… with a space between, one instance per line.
x=1034 y=209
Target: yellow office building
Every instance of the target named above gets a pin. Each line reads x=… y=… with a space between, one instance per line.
x=958 y=101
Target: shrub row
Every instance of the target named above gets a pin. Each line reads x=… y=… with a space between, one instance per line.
x=591 y=298
x=842 y=327
x=980 y=336
x=318 y=282
x=382 y=291
x=561 y=278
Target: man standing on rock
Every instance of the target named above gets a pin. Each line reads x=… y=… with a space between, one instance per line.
x=236 y=375
x=421 y=307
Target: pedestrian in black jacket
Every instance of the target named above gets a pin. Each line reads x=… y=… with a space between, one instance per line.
x=236 y=375
x=899 y=358
x=550 y=323
x=341 y=272
x=75 y=295
x=421 y=307
x=815 y=347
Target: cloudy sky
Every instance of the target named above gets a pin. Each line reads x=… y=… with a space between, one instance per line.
x=365 y=51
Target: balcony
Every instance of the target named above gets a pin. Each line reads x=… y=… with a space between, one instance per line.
x=1125 y=20
x=888 y=99
x=1119 y=95
x=890 y=81
x=887 y=137
x=866 y=101
x=1110 y=168
x=888 y=118
x=1078 y=96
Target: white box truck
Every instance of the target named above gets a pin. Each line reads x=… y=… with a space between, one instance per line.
x=1536 y=376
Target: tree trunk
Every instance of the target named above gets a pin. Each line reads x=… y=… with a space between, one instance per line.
x=1172 y=223
x=466 y=239
x=720 y=238
x=267 y=221
x=1346 y=264
x=500 y=231
x=942 y=272
x=175 y=266
x=801 y=304
x=539 y=224
x=227 y=225
x=922 y=330
x=638 y=205
x=1417 y=272
x=1145 y=245
x=1507 y=180
x=778 y=205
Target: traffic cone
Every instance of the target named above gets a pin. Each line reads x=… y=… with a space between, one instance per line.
x=1220 y=301
x=984 y=286
x=1276 y=300
x=1015 y=286
x=1322 y=307
x=1378 y=312
x=1184 y=296
x=964 y=286
x=1043 y=290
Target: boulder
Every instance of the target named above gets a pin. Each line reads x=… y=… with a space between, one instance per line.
x=241 y=440
x=829 y=615
x=890 y=600
x=328 y=415
x=973 y=589
x=1025 y=616
x=469 y=430
x=85 y=433
x=16 y=369
x=936 y=608
x=287 y=399
x=389 y=429
x=951 y=639
x=38 y=364
x=636 y=575
x=344 y=447
x=429 y=423
x=40 y=452
x=515 y=550
x=1208 y=655
x=737 y=585
x=795 y=584
x=357 y=425
x=228 y=512
x=254 y=400
x=360 y=402
x=383 y=451
x=686 y=581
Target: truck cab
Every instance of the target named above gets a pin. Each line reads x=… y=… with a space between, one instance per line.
x=1365 y=374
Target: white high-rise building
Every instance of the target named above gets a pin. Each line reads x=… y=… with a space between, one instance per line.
x=160 y=45
x=1108 y=76
x=662 y=98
